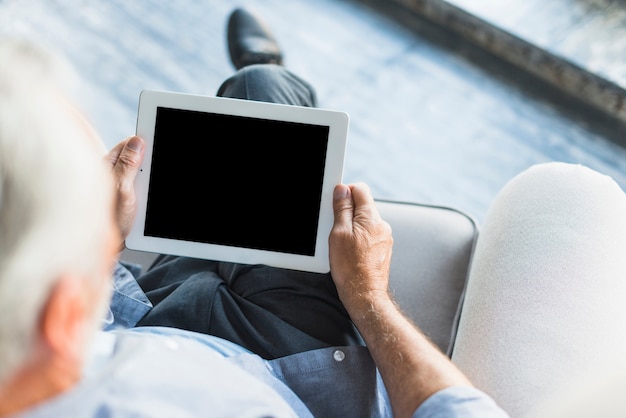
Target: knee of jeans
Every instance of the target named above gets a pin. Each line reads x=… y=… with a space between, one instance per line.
x=263 y=70
x=274 y=83
x=250 y=81
x=263 y=75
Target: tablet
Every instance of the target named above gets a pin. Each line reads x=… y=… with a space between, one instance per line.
x=235 y=180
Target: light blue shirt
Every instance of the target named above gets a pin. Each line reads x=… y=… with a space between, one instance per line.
x=165 y=372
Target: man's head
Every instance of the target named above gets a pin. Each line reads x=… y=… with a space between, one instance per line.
x=57 y=238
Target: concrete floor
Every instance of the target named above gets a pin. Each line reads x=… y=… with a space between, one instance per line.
x=433 y=120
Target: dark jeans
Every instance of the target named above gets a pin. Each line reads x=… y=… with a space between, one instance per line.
x=272 y=312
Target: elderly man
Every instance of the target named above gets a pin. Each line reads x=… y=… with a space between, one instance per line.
x=64 y=219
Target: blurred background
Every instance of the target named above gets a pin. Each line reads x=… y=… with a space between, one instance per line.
x=448 y=99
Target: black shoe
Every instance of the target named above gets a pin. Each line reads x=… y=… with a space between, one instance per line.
x=250 y=41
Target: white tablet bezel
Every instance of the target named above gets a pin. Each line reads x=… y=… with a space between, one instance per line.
x=337 y=122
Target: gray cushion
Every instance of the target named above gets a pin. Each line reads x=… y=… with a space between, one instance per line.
x=430 y=263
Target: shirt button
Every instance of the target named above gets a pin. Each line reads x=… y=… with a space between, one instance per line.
x=339 y=355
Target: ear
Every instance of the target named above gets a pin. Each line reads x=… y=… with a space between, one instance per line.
x=62 y=321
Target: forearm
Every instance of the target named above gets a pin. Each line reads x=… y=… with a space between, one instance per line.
x=360 y=258
x=410 y=365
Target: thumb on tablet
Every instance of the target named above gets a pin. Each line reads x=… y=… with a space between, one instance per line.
x=343 y=207
x=125 y=159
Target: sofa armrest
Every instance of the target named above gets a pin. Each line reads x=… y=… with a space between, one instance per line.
x=432 y=252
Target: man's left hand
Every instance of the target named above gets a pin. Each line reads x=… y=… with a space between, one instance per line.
x=125 y=159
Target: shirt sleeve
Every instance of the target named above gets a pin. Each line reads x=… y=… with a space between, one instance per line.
x=459 y=402
x=128 y=302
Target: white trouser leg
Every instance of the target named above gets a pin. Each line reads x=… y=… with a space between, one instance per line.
x=546 y=297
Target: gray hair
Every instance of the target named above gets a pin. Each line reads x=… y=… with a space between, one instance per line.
x=55 y=196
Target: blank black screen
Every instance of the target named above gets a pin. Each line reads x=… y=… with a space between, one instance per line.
x=236 y=181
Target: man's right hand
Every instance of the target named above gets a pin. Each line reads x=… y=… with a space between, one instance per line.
x=360 y=242
x=360 y=246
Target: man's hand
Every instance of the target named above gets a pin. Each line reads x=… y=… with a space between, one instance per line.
x=125 y=159
x=360 y=256
x=360 y=246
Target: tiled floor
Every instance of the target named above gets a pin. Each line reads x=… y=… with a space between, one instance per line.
x=431 y=120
